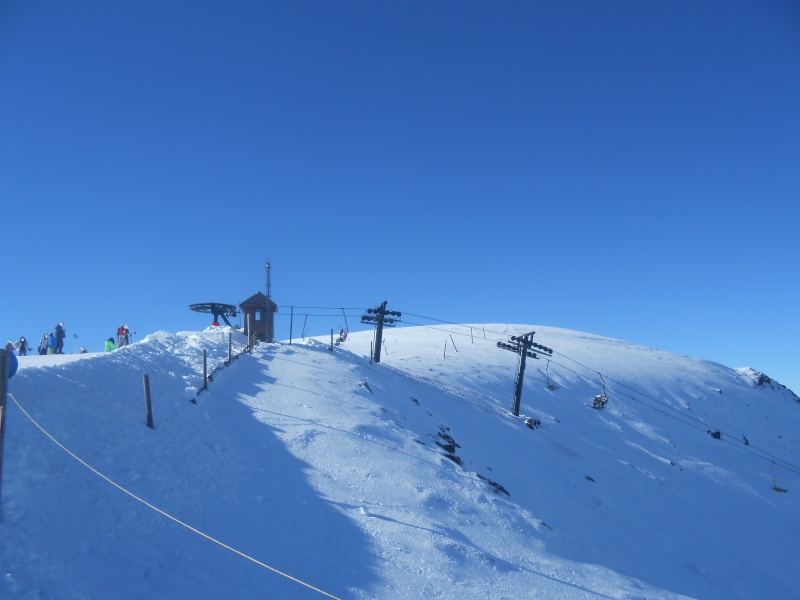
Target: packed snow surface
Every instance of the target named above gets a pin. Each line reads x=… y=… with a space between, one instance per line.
x=306 y=470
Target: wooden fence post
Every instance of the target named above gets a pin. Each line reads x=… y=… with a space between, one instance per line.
x=249 y=346
x=147 y=404
x=205 y=370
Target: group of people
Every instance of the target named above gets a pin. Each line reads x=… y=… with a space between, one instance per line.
x=53 y=343
x=123 y=339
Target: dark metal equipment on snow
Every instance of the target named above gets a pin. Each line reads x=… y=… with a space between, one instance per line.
x=217 y=309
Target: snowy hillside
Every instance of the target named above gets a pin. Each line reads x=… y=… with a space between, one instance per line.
x=308 y=473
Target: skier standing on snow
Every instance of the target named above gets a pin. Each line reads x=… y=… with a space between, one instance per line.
x=44 y=344
x=60 y=334
x=109 y=345
x=22 y=346
x=51 y=343
x=122 y=336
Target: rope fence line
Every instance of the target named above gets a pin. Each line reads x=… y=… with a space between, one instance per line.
x=246 y=349
x=164 y=513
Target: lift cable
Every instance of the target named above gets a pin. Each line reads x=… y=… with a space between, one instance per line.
x=674 y=413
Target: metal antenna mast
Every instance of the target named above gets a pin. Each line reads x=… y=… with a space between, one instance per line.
x=269 y=285
x=268 y=315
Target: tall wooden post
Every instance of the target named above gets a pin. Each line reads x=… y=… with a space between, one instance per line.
x=147 y=404
x=248 y=333
x=205 y=370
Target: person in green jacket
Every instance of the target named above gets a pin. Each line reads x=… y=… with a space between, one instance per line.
x=110 y=345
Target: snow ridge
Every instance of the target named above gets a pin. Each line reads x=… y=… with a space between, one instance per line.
x=407 y=478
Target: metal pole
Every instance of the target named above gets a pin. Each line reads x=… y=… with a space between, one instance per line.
x=3 y=392
x=147 y=404
x=291 y=323
x=331 y=348
x=518 y=387
x=524 y=345
x=269 y=283
x=229 y=347
x=268 y=315
x=379 y=331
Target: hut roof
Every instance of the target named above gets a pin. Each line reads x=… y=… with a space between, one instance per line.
x=259 y=299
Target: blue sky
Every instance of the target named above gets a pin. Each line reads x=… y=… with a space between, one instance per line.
x=625 y=168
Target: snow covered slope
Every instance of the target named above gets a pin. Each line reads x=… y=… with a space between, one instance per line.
x=307 y=473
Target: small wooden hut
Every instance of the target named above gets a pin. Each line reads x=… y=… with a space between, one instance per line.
x=259 y=318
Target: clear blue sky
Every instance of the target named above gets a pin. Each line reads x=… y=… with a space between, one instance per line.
x=625 y=168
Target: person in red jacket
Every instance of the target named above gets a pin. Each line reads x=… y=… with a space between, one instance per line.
x=122 y=336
